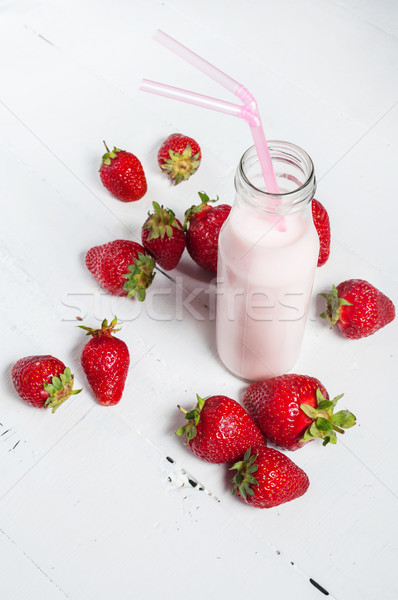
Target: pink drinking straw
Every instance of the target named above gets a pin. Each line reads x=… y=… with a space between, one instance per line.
x=228 y=108
x=248 y=112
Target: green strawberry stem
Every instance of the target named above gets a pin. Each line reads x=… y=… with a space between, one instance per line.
x=333 y=306
x=243 y=479
x=181 y=166
x=193 y=418
x=60 y=389
x=140 y=276
x=109 y=155
x=195 y=209
x=325 y=423
x=161 y=222
x=105 y=329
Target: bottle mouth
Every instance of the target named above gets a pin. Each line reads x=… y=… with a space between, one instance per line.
x=294 y=172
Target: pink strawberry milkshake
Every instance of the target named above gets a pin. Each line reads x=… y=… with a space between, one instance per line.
x=268 y=251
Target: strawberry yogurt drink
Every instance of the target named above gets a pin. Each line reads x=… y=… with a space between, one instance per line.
x=267 y=257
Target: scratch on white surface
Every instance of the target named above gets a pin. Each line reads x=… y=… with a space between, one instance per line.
x=178 y=477
x=366 y=20
x=370 y=470
x=35 y=564
x=45 y=39
x=50 y=449
x=14 y=446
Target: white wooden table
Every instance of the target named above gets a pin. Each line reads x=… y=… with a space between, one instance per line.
x=90 y=506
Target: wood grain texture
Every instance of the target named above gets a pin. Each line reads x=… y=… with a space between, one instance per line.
x=91 y=508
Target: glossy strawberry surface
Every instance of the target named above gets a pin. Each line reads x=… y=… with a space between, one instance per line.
x=369 y=309
x=163 y=237
x=179 y=157
x=202 y=235
x=274 y=405
x=221 y=431
x=269 y=479
x=111 y=263
x=322 y=225
x=105 y=360
x=122 y=174
x=31 y=374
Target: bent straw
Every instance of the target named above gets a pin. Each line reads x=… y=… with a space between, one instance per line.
x=236 y=88
x=228 y=108
x=208 y=69
x=197 y=61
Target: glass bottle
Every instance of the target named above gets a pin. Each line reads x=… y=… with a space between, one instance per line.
x=267 y=256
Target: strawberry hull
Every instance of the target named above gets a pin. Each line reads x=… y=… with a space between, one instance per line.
x=369 y=309
x=268 y=479
x=122 y=267
x=220 y=430
x=292 y=410
x=275 y=403
x=122 y=175
x=205 y=222
x=163 y=237
x=43 y=381
x=30 y=373
x=179 y=157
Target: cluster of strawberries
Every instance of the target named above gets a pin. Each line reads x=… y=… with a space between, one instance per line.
x=289 y=411
x=125 y=268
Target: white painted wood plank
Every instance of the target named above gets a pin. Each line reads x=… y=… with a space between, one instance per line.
x=32 y=584
x=289 y=110
x=74 y=94
x=321 y=47
x=123 y=530
x=367 y=173
x=381 y=14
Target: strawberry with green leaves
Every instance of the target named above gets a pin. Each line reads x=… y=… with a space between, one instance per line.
x=163 y=237
x=219 y=430
x=43 y=381
x=292 y=410
x=122 y=267
x=267 y=478
x=358 y=308
x=105 y=360
x=179 y=157
x=122 y=174
x=202 y=224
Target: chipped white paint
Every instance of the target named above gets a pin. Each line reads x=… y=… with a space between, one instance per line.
x=90 y=506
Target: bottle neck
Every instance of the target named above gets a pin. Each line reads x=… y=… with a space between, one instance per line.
x=294 y=172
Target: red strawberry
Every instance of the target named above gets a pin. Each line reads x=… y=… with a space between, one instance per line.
x=357 y=308
x=122 y=174
x=205 y=222
x=292 y=410
x=179 y=156
x=43 y=381
x=105 y=361
x=268 y=478
x=122 y=267
x=322 y=225
x=163 y=237
x=220 y=430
